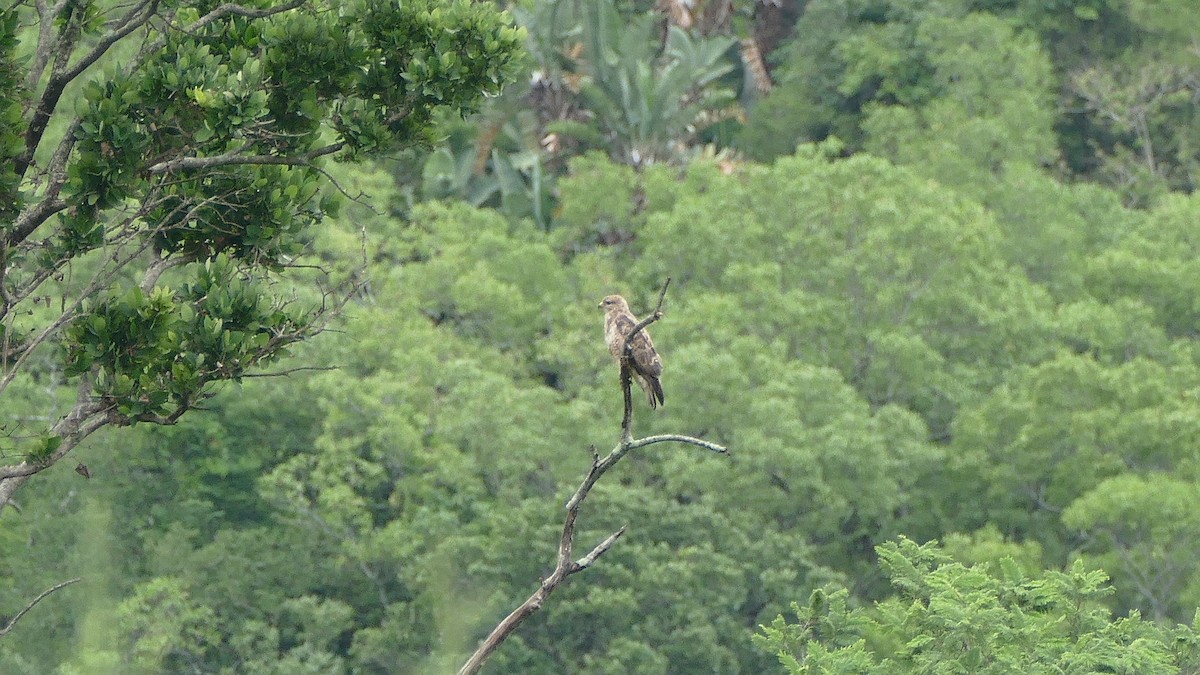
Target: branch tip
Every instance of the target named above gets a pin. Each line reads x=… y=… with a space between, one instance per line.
x=13 y=621
x=601 y=548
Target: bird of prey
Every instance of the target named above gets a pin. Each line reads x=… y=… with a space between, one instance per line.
x=645 y=365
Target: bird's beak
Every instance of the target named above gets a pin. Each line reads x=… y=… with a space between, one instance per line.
x=601 y=305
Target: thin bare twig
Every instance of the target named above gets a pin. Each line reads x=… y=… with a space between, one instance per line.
x=13 y=621
x=627 y=356
x=238 y=158
x=289 y=371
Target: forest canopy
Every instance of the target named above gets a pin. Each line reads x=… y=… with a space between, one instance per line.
x=933 y=269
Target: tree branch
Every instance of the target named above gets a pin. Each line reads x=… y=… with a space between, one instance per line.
x=231 y=158
x=677 y=438
x=288 y=371
x=102 y=277
x=231 y=9
x=564 y=568
x=13 y=621
x=565 y=565
x=72 y=429
x=41 y=55
x=50 y=203
x=63 y=74
x=601 y=548
x=44 y=107
x=124 y=26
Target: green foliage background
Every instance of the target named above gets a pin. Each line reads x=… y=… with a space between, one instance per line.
x=929 y=287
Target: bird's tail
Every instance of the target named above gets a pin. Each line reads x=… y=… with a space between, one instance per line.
x=655 y=394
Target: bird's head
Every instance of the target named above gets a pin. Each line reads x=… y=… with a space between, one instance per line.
x=614 y=302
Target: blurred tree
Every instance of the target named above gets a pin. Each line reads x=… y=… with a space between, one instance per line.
x=651 y=103
x=1057 y=430
x=986 y=106
x=1148 y=109
x=1145 y=528
x=1154 y=262
x=1000 y=366
x=892 y=280
x=645 y=86
x=845 y=56
x=1124 y=74
x=1128 y=68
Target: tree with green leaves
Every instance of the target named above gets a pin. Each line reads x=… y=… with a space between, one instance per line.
x=948 y=617
x=162 y=162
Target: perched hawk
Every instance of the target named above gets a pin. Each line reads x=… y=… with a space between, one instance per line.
x=645 y=365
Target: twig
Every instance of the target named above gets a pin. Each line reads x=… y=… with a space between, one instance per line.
x=231 y=9
x=238 y=158
x=627 y=356
x=288 y=371
x=13 y=621
x=587 y=560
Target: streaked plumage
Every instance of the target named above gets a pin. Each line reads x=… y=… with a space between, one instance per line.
x=645 y=366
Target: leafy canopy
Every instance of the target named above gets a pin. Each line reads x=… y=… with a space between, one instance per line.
x=163 y=163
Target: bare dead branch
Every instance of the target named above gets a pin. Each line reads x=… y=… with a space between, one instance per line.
x=654 y=316
x=677 y=438
x=627 y=394
x=13 y=621
x=565 y=565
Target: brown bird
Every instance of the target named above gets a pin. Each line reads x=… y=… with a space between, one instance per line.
x=645 y=365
